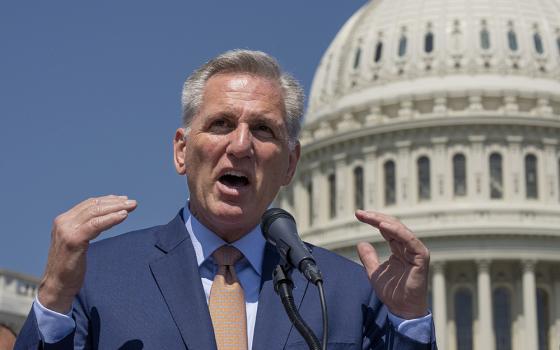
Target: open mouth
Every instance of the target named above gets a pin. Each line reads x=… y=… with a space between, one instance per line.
x=234 y=179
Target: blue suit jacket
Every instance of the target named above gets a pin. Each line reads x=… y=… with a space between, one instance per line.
x=143 y=291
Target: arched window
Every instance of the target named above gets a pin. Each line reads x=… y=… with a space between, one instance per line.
x=485 y=39
x=512 y=40
x=358 y=188
x=402 y=46
x=537 y=40
x=558 y=44
x=424 y=189
x=378 y=52
x=464 y=319
x=332 y=195
x=310 y=201
x=543 y=317
x=501 y=304
x=357 y=57
x=429 y=42
x=496 y=176
x=531 y=184
x=459 y=175
x=390 y=182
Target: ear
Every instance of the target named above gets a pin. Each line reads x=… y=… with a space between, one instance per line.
x=294 y=158
x=180 y=150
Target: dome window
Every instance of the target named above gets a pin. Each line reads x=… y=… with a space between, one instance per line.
x=424 y=189
x=512 y=38
x=390 y=182
x=537 y=40
x=357 y=58
x=358 y=188
x=332 y=195
x=485 y=39
x=402 y=46
x=459 y=175
x=502 y=318
x=496 y=176
x=378 y=52
x=531 y=184
x=429 y=42
x=464 y=318
x=558 y=44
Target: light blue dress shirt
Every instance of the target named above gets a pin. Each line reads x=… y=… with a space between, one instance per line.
x=54 y=326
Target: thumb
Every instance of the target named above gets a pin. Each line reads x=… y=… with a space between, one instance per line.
x=368 y=256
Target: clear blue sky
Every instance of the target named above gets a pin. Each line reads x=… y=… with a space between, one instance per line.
x=90 y=91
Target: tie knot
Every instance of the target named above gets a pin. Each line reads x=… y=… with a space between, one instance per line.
x=226 y=255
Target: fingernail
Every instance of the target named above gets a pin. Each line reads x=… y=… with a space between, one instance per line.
x=130 y=202
x=123 y=213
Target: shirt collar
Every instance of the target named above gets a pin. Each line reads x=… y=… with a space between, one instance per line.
x=205 y=242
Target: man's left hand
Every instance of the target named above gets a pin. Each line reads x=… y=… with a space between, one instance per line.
x=401 y=282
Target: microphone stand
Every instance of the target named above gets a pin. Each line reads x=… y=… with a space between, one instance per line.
x=283 y=286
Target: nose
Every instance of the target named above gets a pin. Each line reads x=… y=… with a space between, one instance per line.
x=240 y=142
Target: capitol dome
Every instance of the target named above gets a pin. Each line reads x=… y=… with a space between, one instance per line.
x=446 y=114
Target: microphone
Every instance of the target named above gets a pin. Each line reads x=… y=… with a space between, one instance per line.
x=279 y=229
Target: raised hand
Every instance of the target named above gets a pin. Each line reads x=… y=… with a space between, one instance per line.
x=71 y=233
x=401 y=282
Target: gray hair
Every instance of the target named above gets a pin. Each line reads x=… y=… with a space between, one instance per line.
x=251 y=62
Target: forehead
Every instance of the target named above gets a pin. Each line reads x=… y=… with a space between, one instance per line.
x=225 y=89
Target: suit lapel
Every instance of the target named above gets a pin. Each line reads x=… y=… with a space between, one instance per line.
x=176 y=274
x=272 y=325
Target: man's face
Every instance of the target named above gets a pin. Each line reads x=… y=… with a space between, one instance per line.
x=236 y=155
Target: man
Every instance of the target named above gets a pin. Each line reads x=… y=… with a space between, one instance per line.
x=156 y=288
x=7 y=337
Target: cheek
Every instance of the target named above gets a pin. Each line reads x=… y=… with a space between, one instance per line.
x=203 y=153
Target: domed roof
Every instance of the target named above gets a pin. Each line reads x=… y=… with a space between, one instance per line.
x=395 y=49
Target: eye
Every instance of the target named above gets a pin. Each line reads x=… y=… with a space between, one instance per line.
x=263 y=130
x=220 y=126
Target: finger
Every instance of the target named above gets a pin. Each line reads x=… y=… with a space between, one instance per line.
x=368 y=256
x=374 y=218
x=404 y=240
x=94 y=201
x=102 y=208
x=98 y=224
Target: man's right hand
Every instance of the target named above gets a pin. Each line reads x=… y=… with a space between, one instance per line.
x=71 y=233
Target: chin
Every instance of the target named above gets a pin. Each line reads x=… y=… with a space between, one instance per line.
x=233 y=214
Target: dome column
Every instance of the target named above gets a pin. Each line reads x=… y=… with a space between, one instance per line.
x=478 y=188
x=439 y=303
x=320 y=199
x=440 y=180
x=530 y=304
x=403 y=173
x=302 y=203
x=551 y=192
x=344 y=205
x=485 y=336
x=370 y=177
x=515 y=161
x=556 y=312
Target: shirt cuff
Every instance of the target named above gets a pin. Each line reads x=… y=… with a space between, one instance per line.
x=419 y=329
x=53 y=326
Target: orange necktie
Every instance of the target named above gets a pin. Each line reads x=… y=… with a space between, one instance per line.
x=227 y=302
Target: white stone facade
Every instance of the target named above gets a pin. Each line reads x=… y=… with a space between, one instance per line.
x=458 y=135
x=17 y=293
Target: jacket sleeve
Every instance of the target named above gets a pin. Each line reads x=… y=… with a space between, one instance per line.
x=29 y=337
x=380 y=334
